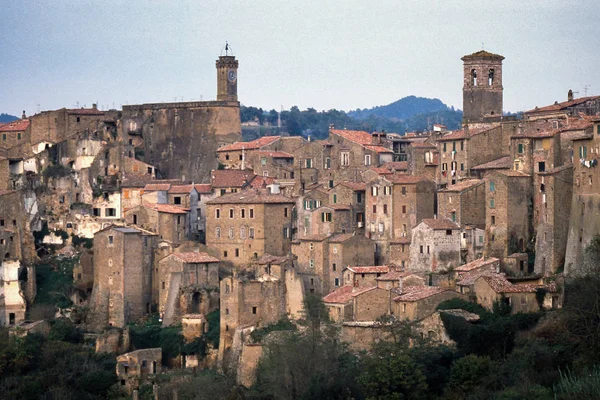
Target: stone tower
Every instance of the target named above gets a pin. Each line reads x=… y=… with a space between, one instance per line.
x=482 y=90
x=227 y=67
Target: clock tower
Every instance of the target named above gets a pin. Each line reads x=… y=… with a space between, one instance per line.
x=227 y=67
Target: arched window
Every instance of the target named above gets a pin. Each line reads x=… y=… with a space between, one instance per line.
x=491 y=77
x=218 y=232
x=474 y=77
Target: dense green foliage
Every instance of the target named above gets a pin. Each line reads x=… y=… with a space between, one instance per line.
x=55 y=282
x=56 y=171
x=151 y=334
x=408 y=114
x=284 y=324
x=32 y=367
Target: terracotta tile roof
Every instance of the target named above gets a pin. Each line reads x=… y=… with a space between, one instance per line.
x=381 y=170
x=416 y=293
x=476 y=264
x=314 y=238
x=395 y=275
x=252 y=145
x=514 y=173
x=360 y=137
x=195 y=258
x=373 y=269
x=203 y=188
x=378 y=149
x=563 y=105
x=15 y=126
x=499 y=163
x=579 y=124
x=341 y=295
x=482 y=54
x=167 y=208
x=181 y=189
x=440 y=223
x=454 y=135
x=396 y=165
x=359 y=291
x=251 y=196
x=463 y=185
x=469 y=278
x=141 y=180
x=271 y=259
x=406 y=179
x=535 y=129
x=500 y=284
x=225 y=178
x=356 y=186
x=340 y=237
x=155 y=187
x=275 y=154
x=261 y=181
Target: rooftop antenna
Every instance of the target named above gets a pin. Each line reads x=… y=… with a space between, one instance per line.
x=38 y=108
x=227 y=49
x=481 y=45
x=585 y=89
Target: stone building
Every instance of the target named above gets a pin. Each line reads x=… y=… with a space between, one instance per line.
x=491 y=288
x=12 y=301
x=188 y=284
x=417 y=302
x=243 y=226
x=365 y=276
x=463 y=203
x=14 y=133
x=166 y=220
x=435 y=246
x=322 y=258
x=394 y=205
x=123 y=273
x=571 y=108
x=509 y=210
x=585 y=204
x=482 y=86
x=136 y=366
x=230 y=180
x=181 y=139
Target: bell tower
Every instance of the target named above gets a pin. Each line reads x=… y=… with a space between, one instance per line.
x=227 y=67
x=482 y=89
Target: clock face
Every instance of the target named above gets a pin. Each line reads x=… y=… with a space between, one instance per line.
x=231 y=75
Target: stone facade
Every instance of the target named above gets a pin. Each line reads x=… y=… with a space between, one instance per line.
x=482 y=90
x=123 y=260
x=435 y=246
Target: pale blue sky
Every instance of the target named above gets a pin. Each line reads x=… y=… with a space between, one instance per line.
x=322 y=54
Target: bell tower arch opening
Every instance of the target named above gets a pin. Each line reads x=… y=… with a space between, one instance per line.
x=482 y=88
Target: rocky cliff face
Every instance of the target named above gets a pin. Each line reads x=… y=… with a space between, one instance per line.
x=181 y=139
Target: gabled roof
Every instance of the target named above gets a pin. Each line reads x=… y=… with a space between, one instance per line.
x=562 y=105
x=373 y=269
x=251 y=196
x=156 y=187
x=440 y=223
x=378 y=149
x=203 y=188
x=196 y=258
x=181 y=189
x=356 y=186
x=499 y=163
x=224 y=178
x=482 y=54
x=15 y=126
x=500 y=284
x=167 y=208
x=463 y=185
x=252 y=145
x=422 y=144
x=476 y=264
x=395 y=275
x=416 y=293
x=340 y=237
x=314 y=238
x=341 y=295
x=360 y=137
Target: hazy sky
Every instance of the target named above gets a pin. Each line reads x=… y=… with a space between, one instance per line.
x=322 y=54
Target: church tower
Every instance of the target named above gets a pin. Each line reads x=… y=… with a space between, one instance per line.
x=482 y=90
x=227 y=67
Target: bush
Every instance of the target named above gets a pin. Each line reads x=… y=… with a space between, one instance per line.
x=81 y=241
x=64 y=330
x=457 y=303
x=284 y=324
x=583 y=387
x=56 y=171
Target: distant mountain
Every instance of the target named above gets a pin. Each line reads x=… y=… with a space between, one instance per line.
x=401 y=109
x=4 y=118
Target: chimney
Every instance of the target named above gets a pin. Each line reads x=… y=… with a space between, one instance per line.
x=94 y=106
x=23 y=116
x=400 y=285
x=570 y=95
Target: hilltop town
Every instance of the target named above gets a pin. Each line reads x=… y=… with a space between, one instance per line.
x=163 y=213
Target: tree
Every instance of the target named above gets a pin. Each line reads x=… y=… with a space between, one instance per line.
x=467 y=374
